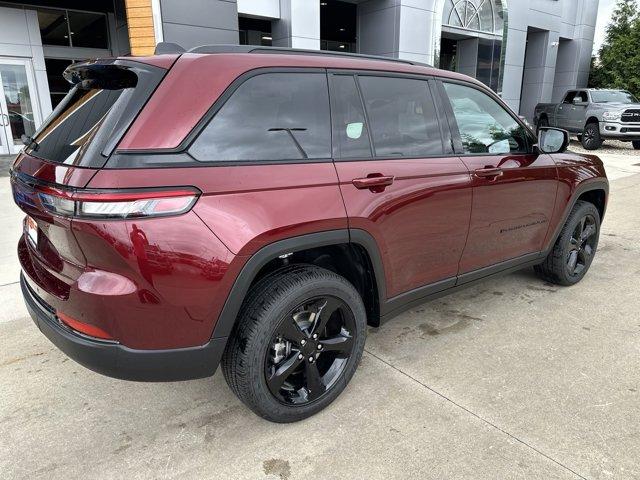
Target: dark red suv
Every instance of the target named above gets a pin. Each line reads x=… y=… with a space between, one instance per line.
x=260 y=207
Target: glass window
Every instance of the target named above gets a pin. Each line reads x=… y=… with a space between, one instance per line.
x=612 y=96
x=18 y=101
x=484 y=125
x=73 y=124
x=54 y=29
x=273 y=116
x=569 y=97
x=402 y=116
x=88 y=30
x=58 y=86
x=351 y=136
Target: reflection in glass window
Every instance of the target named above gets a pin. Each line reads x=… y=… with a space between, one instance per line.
x=351 y=138
x=18 y=101
x=402 y=116
x=73 y=124
x=58 y=85
x=70 y=28
x=54 y=29
x=88 y=30
x=484 y=125
x=274 y=116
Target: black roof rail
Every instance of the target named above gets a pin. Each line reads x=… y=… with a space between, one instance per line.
x=294 y=51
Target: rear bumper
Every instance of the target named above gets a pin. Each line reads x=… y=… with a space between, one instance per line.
x=118 y=361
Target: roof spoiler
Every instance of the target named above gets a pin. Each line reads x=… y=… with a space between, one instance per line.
x=102 y=73
x=164 y=48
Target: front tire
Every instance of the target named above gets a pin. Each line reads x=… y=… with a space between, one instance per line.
x=298 y=341
x=636 y=144
x=591 y=139
x=573 y=252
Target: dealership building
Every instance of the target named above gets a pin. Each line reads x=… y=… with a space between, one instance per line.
x=528 y=51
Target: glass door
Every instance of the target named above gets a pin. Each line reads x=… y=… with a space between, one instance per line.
x=18 y=110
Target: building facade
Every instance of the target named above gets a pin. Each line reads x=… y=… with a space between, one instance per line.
x=528 y=51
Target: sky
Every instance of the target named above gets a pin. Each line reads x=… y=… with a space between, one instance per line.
x=605 y=10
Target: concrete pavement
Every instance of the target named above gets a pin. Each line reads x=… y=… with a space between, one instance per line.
x=514 y=378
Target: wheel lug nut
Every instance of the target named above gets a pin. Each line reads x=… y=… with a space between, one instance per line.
x=311 y=359
x=319 y=346
x=300 y=357
x=303 y=342
x=315 y=336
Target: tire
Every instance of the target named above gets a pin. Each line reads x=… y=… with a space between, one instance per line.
x=636 y=144
x=573 y=252
x=543 y=122
x=591 y=139
x=274 y=334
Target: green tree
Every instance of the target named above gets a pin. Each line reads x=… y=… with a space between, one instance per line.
x=618 y=63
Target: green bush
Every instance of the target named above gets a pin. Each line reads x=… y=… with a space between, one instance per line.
x=618 y=62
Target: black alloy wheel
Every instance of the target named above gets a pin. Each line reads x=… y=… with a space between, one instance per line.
x=582 y=245
x=309 y=350
x=571 y=255
x=297 y=342
x=591 y=139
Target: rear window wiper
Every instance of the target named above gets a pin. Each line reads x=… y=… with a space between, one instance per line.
x=295 y=140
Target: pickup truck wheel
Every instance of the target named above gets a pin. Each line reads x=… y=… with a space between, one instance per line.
x=543 y=122
x=573 y=252
x=636 y=144
x=298 y=341
x=591 y=139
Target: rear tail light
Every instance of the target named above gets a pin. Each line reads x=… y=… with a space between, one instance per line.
x=109 y=204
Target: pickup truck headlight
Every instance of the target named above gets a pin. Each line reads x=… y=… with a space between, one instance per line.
x=611 y=115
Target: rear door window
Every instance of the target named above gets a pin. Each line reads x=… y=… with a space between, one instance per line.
x=350 y=130
x=402 y=115
x=271 y=116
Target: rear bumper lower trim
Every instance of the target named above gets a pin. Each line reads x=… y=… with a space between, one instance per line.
x=118 y=361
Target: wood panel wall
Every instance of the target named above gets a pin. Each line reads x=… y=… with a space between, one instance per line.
x=140 y=24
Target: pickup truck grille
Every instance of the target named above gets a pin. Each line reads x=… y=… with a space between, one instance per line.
x=631 y=115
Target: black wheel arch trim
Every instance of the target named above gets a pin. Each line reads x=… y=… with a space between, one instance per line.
x=228 y=315
x=584 y=187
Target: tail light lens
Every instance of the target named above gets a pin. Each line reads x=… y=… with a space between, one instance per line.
x=109 y=204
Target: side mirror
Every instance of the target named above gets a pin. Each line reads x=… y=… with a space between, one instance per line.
x=552 y=140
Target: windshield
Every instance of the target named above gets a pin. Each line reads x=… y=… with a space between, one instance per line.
x=612 y=96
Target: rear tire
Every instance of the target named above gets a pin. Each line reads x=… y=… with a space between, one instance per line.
x=543 y=122
x=636 y=144
x=573 y=252
x=591 y=139
x=298 y=340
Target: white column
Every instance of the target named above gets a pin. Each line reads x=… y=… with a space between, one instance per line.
x=299 y=25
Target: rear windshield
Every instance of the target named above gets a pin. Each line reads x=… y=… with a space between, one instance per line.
x=74 y=123
x=85 y=127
